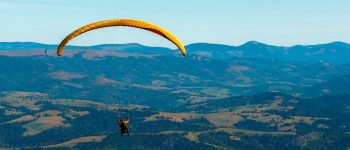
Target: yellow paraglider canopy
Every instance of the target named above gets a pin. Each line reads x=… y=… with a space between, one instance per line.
x=123 y=22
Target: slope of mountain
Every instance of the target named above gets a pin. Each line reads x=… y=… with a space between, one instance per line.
x=112 y=77
x=336 y=86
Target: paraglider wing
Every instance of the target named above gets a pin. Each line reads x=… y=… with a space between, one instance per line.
x=123 y=22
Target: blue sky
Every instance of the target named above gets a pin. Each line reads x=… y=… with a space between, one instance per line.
x=232 y=22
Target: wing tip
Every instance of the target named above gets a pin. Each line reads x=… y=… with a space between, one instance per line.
x=183 y=51
x=59 y=54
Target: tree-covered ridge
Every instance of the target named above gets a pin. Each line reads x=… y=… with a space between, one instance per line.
x=266 y=120
x=164 y=81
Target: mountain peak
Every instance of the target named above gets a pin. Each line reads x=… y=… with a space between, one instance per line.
x=340 y=44
x=253 y=43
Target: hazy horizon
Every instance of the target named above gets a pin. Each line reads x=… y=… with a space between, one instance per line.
x=222 y=22
x=88 y=45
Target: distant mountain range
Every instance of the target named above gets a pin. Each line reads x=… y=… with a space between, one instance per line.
x=335 y=52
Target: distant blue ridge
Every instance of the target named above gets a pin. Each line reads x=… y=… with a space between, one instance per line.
x=334 y=52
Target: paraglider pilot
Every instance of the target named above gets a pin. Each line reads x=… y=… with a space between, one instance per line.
x=123 y=125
